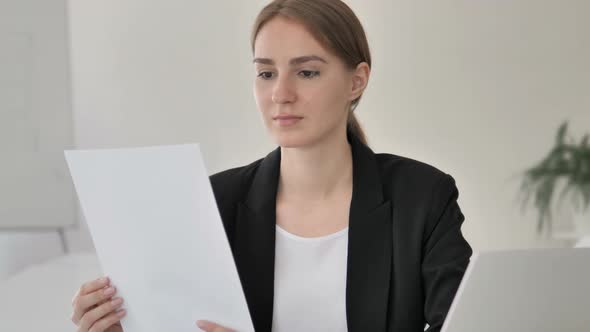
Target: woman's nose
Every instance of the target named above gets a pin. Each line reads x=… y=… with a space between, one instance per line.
x=283 y=92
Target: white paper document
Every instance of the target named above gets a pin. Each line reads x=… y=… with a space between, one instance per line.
x=159 y=237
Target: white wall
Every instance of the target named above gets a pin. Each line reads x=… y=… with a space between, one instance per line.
x=35 y=127
x=165 y=73
x=476 y=88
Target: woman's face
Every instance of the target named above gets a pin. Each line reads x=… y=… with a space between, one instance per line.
x=302 y=91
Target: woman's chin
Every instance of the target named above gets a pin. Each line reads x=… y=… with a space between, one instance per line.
x=291 y=140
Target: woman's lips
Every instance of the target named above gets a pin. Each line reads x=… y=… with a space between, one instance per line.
x=287 y=120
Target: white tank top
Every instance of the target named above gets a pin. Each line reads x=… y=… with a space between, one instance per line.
x=310 y=282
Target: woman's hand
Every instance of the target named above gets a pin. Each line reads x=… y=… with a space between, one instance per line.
x=95 y=309
x=212 y=327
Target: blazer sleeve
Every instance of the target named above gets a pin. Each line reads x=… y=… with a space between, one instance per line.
x=446 y=253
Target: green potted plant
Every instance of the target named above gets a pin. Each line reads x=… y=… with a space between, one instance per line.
x=566 y=169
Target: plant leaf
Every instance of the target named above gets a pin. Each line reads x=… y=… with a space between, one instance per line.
x=561 y=133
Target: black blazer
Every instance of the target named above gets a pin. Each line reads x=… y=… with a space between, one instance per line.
x=406 y=252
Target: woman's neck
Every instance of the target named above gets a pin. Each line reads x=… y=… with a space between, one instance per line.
x=316 y=172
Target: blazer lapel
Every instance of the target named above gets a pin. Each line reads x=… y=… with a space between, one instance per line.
x=254 y=243
x=369 y=243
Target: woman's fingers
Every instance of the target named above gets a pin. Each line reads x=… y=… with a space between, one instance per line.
x=101 y=317
x=208 y=326
x=108 y=321
x=91 y=286
x=87 y=302
x=94 y=285
x=91 y=295
x=86 y=288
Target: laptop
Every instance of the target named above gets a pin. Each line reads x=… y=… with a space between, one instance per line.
x=539 y=290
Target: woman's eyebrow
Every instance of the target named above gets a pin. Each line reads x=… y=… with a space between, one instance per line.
x=292 y=62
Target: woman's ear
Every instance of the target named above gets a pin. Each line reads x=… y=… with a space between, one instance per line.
x=360 y=79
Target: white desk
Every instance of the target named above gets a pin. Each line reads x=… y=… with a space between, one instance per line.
x=39 y=297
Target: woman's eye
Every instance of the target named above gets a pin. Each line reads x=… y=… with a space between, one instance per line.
x=265 y=75
x=309 y=73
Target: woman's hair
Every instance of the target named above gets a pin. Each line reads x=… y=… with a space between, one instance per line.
x=335 y=26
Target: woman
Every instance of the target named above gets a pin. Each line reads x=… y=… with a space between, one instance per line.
x=326 y=234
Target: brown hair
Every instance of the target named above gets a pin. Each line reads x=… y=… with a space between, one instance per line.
x=335 y=26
